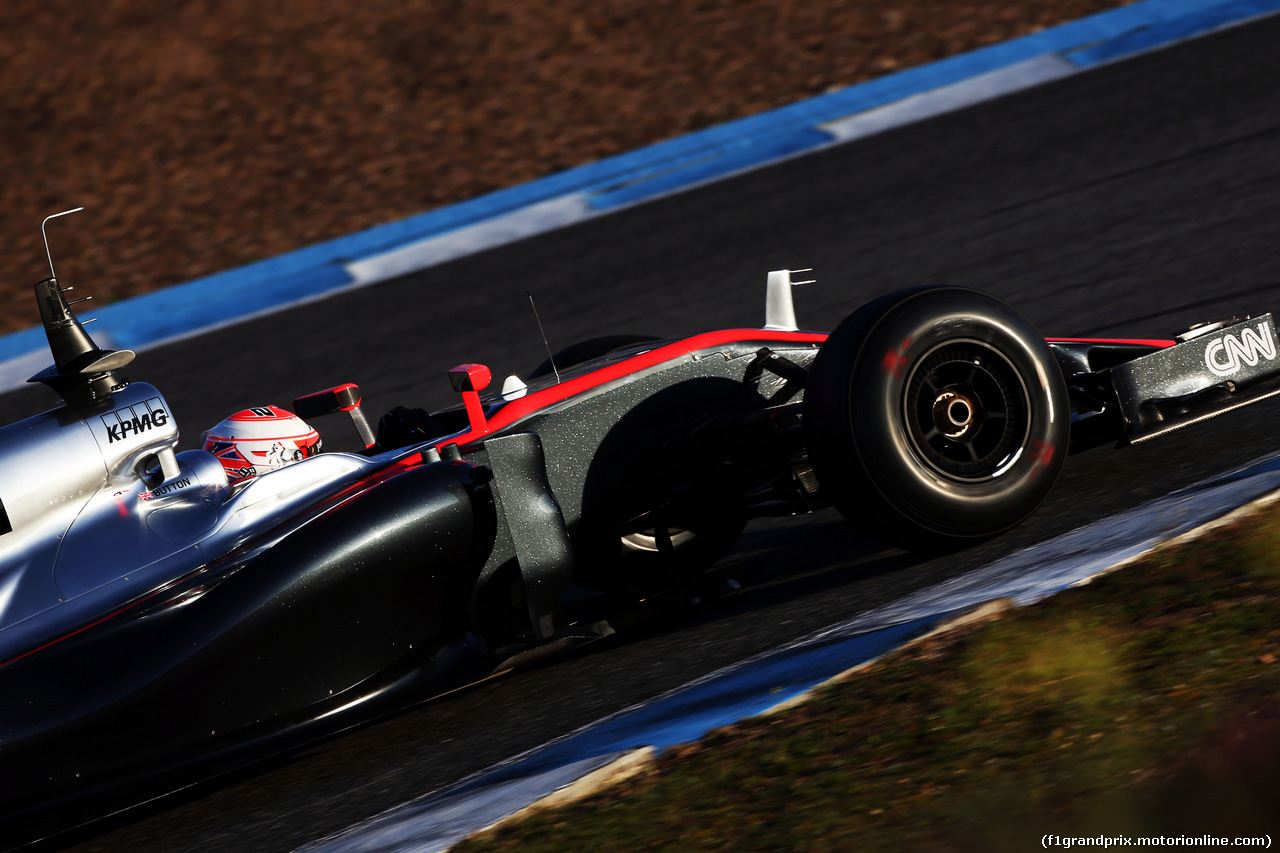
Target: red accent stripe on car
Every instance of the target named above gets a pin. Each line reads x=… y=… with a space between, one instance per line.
x=1160 y=343
x=521 y=408
x=126 y=608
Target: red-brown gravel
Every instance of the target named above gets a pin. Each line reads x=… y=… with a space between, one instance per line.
x=205 y=134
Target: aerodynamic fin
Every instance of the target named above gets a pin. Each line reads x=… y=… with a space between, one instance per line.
x=779 y=309
x=81 y=371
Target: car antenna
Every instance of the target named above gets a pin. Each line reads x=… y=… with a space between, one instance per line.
x=543 y=332
x=53 y=275
x=45 y=236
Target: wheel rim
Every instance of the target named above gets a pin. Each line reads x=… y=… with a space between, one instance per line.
x=647 y=540
x=967 y=411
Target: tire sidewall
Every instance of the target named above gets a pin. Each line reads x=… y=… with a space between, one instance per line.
x=886 y=479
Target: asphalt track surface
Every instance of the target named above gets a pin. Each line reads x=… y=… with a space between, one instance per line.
x=1131 y=200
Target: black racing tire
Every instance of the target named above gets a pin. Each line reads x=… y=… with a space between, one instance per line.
x=583 y=351
x=935 y=418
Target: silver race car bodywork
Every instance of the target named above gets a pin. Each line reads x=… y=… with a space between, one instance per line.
x=158 y=624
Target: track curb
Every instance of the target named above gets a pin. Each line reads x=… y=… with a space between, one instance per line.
x=629 y=765
x=438 y=820
x=643 y=759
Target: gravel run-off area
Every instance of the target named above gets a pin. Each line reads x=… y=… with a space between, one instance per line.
x=204 y=135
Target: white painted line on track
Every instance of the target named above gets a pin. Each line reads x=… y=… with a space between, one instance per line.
x=499 y=231
x=570 y=210
x=453 y=820
x=947 y=99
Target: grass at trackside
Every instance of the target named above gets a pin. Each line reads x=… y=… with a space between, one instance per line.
x=1142 y=704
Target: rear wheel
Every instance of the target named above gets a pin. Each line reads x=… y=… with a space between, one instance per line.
x=936 y=417
x=670 y=546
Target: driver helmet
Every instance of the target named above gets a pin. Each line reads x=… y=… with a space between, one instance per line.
x=260 y=440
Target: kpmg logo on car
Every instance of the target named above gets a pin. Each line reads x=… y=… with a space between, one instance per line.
x=135 y=419
x=1224 y=355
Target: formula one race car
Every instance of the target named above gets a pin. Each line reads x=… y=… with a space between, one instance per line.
x=169 y=614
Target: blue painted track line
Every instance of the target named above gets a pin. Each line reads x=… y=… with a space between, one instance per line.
x=745 y=692
x=598 y=188
x=437 y=822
